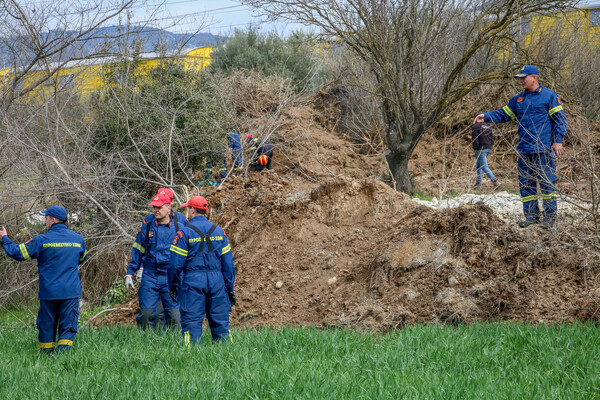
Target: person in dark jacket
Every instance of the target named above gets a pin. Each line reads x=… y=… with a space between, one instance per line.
x=59 y=253
x=151 y=250
x=202 y=275
x=542 y=125
x=482 y=141
x=257 y=151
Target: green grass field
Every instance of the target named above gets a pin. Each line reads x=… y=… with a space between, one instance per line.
x=486 y=361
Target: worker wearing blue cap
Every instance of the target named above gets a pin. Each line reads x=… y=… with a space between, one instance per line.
x=59 y=253
x=542 y=125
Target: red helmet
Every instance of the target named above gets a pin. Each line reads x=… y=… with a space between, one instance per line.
x=248 y=138
x=263 y=160
x=196 y=202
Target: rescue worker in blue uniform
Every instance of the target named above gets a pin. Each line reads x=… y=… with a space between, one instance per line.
x=235 y=144
x=256 y=150
x=179 y=220
x=211 y=167
x=542 y=125
x=59 y=253
x=151 y=250
x=202 y=275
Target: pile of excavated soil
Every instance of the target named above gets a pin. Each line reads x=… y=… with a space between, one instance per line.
x=319 y=241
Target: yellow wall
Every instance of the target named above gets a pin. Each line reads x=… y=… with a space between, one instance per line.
x=574 y=24
x=87 y=79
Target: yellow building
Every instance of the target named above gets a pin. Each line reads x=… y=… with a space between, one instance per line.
x=581 y=24
x=89 y=75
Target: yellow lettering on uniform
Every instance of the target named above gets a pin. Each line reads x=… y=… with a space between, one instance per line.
x=62 y=245
x=194 y=240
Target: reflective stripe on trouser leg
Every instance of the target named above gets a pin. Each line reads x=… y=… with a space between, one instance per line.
x=191 y=309
x=208 y=170
x=67 y=326
x=528 y=186
x=47 y=323
x=547 y=179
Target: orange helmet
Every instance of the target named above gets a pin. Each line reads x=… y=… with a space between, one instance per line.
x=263 y=160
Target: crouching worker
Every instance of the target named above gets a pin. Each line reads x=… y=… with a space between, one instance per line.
x=201 y=275
x=59 y=253
x=151 y=251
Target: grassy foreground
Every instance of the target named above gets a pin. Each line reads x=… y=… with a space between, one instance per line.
x=487 y=361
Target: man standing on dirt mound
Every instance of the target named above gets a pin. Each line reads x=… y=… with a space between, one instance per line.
x=151 y=251
x=542 y=124
x=201 y=275
x=178 y=220
x=59 y=253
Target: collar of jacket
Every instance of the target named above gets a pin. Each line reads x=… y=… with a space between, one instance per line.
x=58 y=225
x=536 y=91
x=169 y=224
x=199 y=218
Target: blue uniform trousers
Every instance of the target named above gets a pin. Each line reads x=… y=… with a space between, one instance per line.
x=203 y=292
x=533 y=169
x=236 y=154
x=154 y=287
x=208 y=172
x=57 y=315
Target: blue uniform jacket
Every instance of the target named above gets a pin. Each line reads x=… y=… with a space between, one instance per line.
x=159 y=243
x=59 y=253
x=540 y=117
x=185 y=253
x=233 y=139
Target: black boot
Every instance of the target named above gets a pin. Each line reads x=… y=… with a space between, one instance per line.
x=527 y=222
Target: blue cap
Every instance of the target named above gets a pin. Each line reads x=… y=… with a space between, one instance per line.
x=528 y=70
x=57 y=212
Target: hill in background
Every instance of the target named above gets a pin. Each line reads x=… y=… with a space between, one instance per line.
x=115 y=39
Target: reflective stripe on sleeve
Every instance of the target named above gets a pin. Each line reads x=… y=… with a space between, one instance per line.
x=179 y=250
x=226 y=249
x=24 y=252
x=83 y=256
x=555 y=110
x=138 y=246
x=508 y=112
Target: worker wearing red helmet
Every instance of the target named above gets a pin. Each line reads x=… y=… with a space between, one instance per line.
x=151 y=250
x=202 y=274
x=179 y=220
x=261 y=154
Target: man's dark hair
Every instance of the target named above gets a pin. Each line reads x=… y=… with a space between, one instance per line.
x=200 y=211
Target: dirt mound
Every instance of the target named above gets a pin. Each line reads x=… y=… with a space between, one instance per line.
x=320 y=241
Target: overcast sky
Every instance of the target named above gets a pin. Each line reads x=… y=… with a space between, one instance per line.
x=214 y=16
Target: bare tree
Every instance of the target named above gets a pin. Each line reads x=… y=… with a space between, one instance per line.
x=424 y=54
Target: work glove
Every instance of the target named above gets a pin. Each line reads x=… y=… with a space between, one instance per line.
x=232 y=298
x=138 y=275
x=129 y=286
x=173 y=293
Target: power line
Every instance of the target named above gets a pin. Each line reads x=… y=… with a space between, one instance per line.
x=220 y=10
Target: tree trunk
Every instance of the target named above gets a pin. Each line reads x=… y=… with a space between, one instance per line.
x=399 y=166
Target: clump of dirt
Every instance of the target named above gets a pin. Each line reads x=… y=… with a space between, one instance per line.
x=321 y=241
